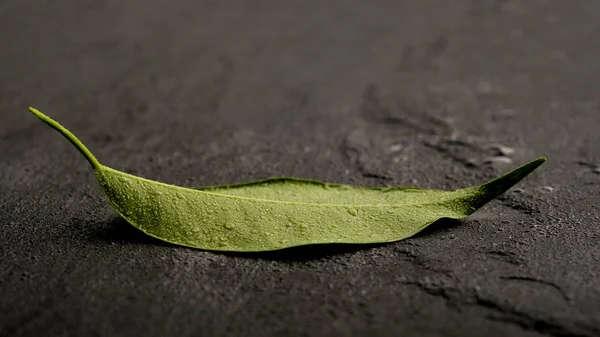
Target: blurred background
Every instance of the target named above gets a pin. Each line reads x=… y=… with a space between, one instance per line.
x=245 y=75
x=439 y=94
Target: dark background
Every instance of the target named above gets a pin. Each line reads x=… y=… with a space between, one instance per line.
x=362 y=92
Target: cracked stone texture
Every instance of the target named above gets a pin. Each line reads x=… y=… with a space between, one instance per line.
x=434 y=93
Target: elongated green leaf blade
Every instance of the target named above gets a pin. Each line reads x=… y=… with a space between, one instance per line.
x=284 y=212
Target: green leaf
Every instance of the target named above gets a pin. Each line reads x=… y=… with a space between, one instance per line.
x=283 y=212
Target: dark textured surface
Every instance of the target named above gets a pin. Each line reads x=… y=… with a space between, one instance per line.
x=361 y=92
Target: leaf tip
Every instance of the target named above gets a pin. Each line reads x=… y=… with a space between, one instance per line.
x=496 y=187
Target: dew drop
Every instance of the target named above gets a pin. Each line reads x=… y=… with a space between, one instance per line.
x=229 y=226
x=353 y=212
x=304 y=226
x=179 y=195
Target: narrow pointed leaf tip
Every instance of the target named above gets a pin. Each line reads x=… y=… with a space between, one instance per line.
x=283 y=212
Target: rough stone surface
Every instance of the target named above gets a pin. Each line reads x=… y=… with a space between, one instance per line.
x=369 y=93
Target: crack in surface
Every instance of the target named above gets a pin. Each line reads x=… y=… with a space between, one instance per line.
x=355 y=156
x=431 y=131
x=540 y=281
x=374 y=109
x=551 y=326
x=441 y=148
x=447 y=287
x=456 y=298
x=507 y=257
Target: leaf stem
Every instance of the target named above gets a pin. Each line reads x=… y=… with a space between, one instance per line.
x=71 y=137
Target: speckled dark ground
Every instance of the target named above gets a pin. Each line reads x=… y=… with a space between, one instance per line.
x=362 y=92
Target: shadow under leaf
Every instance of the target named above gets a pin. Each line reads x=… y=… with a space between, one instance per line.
x=308 y=252
x=439 y=226
x=119 y=230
